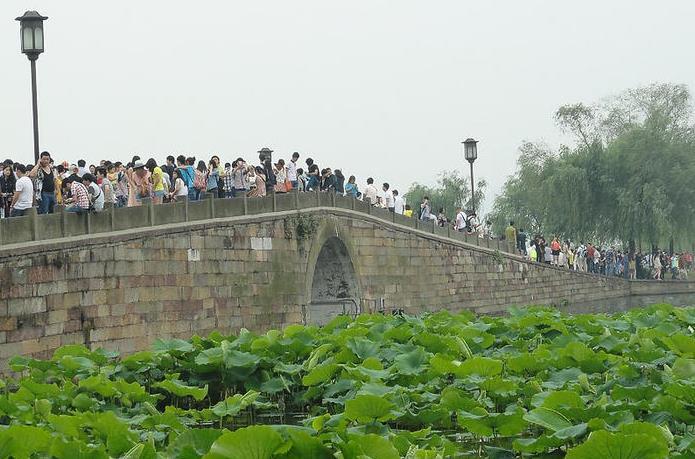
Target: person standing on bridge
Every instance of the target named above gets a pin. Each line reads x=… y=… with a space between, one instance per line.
x=460 y=221
x=23 y=197
x=521 y=241
x=425 y=209
x=7 y=183
x=351 y=187
x=370 y=192
x=398 y=203
x=44 y=174
x=555 y=248
x=292 y=171
x=313 y=182
x=510 y=235
x=388 y=197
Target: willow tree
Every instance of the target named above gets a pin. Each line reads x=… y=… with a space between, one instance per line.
x=451 y=191
x=628 y=177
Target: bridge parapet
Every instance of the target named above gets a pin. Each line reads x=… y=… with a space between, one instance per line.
x=34 y=227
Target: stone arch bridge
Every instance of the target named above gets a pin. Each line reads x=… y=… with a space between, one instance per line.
x=124 y=277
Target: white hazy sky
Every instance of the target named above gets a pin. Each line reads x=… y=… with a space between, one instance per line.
x=374 y=87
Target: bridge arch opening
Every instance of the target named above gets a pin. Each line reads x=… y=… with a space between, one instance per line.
x=334 y=288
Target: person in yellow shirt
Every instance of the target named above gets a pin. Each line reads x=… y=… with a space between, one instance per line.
x=408 y=212
x=510 y=235
x=59 y=184
x=157 y=180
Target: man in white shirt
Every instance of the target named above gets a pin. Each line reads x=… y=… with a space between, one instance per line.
x=23 y=197
x=398 y=203
x=370 y=192
x=96 y=195
x=82 y=168
x=292 y=170
x=460 y=223
x=388 y=197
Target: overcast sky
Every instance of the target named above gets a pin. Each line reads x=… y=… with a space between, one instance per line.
x=377 y=88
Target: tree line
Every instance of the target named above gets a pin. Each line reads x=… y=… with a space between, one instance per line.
x=628 y=179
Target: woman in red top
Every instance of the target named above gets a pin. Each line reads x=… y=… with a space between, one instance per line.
x=555 y=249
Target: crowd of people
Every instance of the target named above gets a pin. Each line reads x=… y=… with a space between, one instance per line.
x=81 y=188
x=608 y=261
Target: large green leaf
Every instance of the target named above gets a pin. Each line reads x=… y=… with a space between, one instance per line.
x=680 y=344
x=254 y=442
x=558 y=399
x=305 y=446
x=193 y=443
x=362 y=347
x=684 y=368
x=413 y=362
x=370 y=446
x=320 y=374
x=606 y=445
x=176 y=345
x=548 y=418
x=477 y=421
x=239 y=359
x=231 y=406
x=23 y=441
x=483 y=366
x=368 y=408
x=178 y=388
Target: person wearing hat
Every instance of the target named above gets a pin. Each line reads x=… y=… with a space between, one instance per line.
x=139 y=185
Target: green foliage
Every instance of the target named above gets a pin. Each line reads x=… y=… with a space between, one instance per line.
x=369 y=408
x=608 y=445
x=452 y=190
x=534 y=383
x=254 y=442
x=305 y=226
x=627 y=179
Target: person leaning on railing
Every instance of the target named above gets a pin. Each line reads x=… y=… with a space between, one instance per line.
x=79 y=196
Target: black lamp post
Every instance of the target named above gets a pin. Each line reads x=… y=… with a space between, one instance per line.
x=31 y=32
x=470 y=151
x=265 y=154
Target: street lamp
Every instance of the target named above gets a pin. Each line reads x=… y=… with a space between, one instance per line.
x=265 y=154
x=470 y=152
x=31 y=33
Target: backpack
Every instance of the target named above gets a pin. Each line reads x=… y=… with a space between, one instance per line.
x=200 y=182
x=93 y=198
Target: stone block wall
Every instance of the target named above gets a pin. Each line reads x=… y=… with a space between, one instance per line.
x=121 y=290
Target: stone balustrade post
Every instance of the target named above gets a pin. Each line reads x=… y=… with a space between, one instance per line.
x=111 y=209
x=147 y=202
x=32 y=213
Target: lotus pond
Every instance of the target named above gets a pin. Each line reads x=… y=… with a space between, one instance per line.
x=534 y=383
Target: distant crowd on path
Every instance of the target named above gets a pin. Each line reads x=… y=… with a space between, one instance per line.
x=81 y=188
x=608 y=261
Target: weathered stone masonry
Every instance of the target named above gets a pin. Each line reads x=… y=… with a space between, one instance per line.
x=121 y=290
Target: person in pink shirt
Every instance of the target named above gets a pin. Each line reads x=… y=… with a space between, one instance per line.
x=139 y=185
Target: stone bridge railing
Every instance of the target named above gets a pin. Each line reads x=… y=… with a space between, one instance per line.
x=34 y=227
